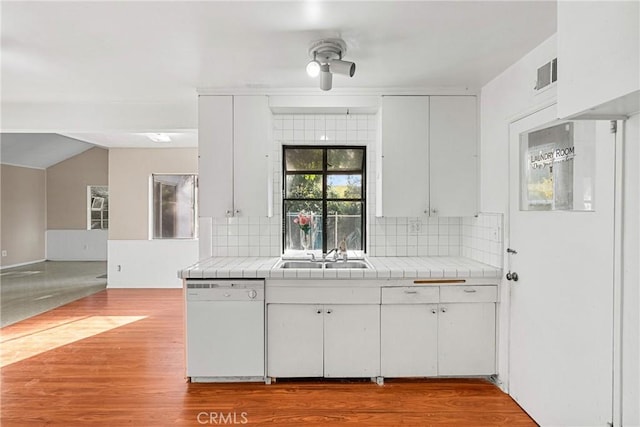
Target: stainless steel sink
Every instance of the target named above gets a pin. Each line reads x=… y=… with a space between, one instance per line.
x=301 y=264
x=346 y=264
x=326 y=264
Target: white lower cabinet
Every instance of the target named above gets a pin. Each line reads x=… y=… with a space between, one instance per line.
x=306 y=340
x=395 y=331
x=352 y=341
x=409 y=340
x=466 y=339
x=453 y=338
x=294 y=340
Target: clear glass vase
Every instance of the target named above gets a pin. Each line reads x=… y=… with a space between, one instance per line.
x=305 y=240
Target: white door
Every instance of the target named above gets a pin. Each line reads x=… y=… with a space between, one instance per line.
x=251 y=147
x=405 y=155
x=561 y=321
x=351 y=340
x=409 y=340
x=294 y=340
x=467 y=339
x=453 y=176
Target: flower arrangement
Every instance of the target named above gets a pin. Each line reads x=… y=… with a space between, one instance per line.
x=304 y=221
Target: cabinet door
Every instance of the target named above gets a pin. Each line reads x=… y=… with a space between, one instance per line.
x=215 y=155
x=294 y=340
x=352 y=341
x=466 y=339
x=453 y=151
x=405 y=156
x=252 y=183
x=409 y=340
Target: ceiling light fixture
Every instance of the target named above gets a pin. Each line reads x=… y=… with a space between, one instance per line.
x=326 y=59
x=313 y=68
x=159 y=137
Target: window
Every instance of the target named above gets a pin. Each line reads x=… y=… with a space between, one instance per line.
x=557 y=167
x=174 y=206
x=97 y=207
x=324 y=197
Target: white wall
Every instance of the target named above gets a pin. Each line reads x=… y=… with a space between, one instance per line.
x=507 y=96
x=144 y=263
x=598 y=55
x=631 y=276
x=149 y=263
x=76 y=245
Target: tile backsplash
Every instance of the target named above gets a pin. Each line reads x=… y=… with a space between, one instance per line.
x=433 y=236
x=478 y=238
x=482 y=238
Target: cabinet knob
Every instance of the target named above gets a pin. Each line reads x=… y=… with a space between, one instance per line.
x=329 y=311
x=227 y=213
x=434 y=211
x=253 y=293
x=443 y=310
x=434 y=311
x=237 y=212
x=319 y=311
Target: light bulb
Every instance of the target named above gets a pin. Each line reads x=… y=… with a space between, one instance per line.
x=313 y=68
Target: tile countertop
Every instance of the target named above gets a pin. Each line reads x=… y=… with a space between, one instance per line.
x=383 y=268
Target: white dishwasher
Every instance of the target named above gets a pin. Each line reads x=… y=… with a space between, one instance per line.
x=225 y=330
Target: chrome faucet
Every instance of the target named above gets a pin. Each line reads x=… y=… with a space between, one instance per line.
x=313 y=256
x=335 y=255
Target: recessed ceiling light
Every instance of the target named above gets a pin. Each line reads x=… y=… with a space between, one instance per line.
x=159 y=137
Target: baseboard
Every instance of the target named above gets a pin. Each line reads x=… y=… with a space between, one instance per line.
x=2 y=267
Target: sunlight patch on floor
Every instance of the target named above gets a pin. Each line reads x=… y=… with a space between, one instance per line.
x=37 y=342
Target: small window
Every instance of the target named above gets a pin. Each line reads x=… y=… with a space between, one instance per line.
x=324 y=198
x=557 y=167
x=98 y=207
x=174 y=206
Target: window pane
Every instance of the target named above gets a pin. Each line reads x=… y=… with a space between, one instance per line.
x=302 y=225
x=174 y=206
x=344 y=221
x=344 y=186
x=345 y=159
x=304 y=186
x=99 y=207
x=557 y=168
x=303 y=159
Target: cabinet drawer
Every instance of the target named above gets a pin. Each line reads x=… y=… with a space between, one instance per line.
x=323 y=295
x=468 y=294
x=410 y=295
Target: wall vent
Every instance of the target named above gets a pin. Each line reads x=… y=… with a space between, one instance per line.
x=547 y=74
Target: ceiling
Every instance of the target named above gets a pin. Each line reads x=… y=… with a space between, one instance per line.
x=148 y=52
x=38 y=150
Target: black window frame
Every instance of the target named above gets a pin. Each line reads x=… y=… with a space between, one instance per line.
x=324 y=200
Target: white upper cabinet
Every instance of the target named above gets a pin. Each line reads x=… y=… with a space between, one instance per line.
x=453 y=154
x=215 y=155
x=234 y=142
x=405 y=156
x=428 y=156
x=252 y=184
x=598 y=58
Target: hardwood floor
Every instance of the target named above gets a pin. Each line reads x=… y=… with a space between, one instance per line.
x=116 y=358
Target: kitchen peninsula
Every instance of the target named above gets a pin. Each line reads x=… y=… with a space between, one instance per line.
x=397 y=317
